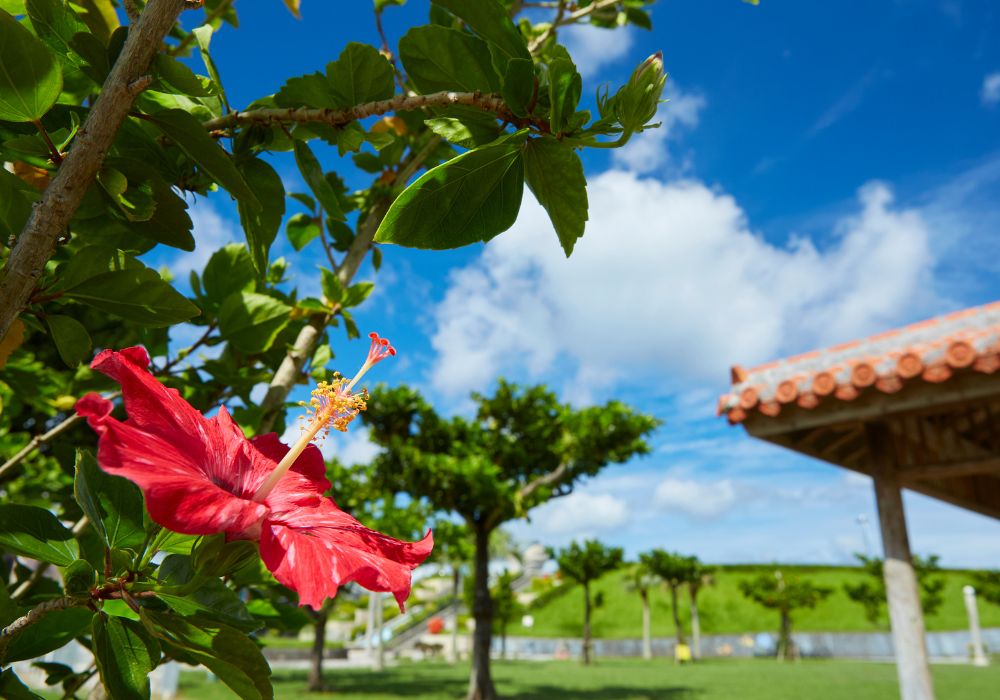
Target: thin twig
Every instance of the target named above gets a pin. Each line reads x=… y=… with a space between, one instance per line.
x=186 y=352
x=561 y=20
x=181 y=46
x=57 y=157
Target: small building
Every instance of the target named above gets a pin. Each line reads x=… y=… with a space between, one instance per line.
x=917 y=407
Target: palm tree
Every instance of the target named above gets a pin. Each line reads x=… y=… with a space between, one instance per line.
x=700 y=575
x=675 y=571
x=640 y=579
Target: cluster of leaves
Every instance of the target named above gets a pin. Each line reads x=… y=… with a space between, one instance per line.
x=871 y=594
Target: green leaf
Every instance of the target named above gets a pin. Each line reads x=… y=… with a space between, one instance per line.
x=554 y=173
x=333 y=290
x=357 y=293
x=113 y=504
x=301 y=228
x=437 y=58
x=175 y=78
x=79 y=577
x=54 y=630
x=519 y=85
x=90 y=261
x=312 y=173
x=15 y=205
x=136 y=294
x=125 y=654
x=71 y=339
x=36 y=533
x=360 y=74
x=467 y=127
x=228 y=653
x=467 y=199
x=188 y=133
x=203 y=35
x=304 y=199
x=252 y=321
x=12 y=688
x=168 y=222
x=56 y=24
x=228 y=270
x=261 y=224
x=565 y=86
x=30 y=76
x=312 y=90
x=490 y=20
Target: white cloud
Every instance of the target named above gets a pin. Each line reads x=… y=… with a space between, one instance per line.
x=671 y=283
x=593 y=48
x=211 y=231
x=989 y=93
x=650 y=150
x=698 y=499
x=580 y=515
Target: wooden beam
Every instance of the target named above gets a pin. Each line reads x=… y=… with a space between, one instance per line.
x=951 y=470
x=905 y=613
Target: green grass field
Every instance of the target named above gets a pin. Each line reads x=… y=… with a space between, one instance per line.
x=723 y=609
x=758 y=679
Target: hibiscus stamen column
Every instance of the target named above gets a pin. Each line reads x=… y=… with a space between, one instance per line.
x=333 y=405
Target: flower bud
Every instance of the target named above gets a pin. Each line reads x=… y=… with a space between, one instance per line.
x=636 y=102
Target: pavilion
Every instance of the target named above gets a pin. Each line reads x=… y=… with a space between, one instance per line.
x=917 y=407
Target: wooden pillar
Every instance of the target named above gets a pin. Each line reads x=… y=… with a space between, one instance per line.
x=905 y=612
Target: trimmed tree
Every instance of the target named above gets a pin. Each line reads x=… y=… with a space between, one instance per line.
x=871 y=594
x=675 y=570
x=584 y=564
x=776 y=592
x=453 y=549
x=700 y=576
x=987 y=585
x=640 y=579
x=522 y=448
x=505 y=607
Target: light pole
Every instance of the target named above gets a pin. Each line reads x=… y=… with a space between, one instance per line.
x=978 y=656
x=862 y=521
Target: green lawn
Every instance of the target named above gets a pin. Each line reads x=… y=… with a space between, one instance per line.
x=723 y=609
x=758 y=679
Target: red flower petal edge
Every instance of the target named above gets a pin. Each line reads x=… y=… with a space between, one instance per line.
x=199 y=476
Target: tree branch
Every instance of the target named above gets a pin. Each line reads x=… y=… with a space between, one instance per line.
x=50 y=216
x=399 y=103
x=549 y=479
x=290 y=370
x=562 y=19
x=220 y=9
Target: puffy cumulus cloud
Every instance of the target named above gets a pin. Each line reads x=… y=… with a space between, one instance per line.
x=580 y=515
x=698 y=499
x=592 y=47
x=650 y=151
x=989 y=92
x=670 y=283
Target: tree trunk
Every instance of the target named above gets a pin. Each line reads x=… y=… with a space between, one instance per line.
x=586 y=624
x=695 y=625
x=378 y=661
x=480 y=680
x=647 y=641
x=503 y=641
x=318 y=648
x=786 y=645
x=455 y=586
x=677 y=615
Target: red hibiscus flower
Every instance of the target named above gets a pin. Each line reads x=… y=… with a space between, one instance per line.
x=201 y=476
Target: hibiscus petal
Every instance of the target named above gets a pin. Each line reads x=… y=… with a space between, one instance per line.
x=315 y=550
x=309 y=467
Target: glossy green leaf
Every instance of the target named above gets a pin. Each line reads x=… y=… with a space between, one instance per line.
x=312 y=173
x=301 y=228
x=136 y=294
x=519 y=85
x=56 y=25
x=36 y=533
x=187 y=132
x=357 y=293
x=90 y=261
x=228 y=653
x=228 y=270
x=554 y=173
x=30 y=76
x=437 y=58
x=12 y=688
x=79 y=577
x=261 y=224
x=71 y=338
x=311 y=90
x=490 y=20
x=113 y=504
x=174 y=77
x=467 y=199
x=15 y=204
x=565 y=86
x=333 y=290
x=360 y=74
x=125 y=654
x=54 y=630
x=203 y=35
x=252 y=321
x=467 y=127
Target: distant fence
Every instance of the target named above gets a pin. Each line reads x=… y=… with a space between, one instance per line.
x=855 y=645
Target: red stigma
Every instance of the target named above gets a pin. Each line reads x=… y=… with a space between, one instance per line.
x=380 y=349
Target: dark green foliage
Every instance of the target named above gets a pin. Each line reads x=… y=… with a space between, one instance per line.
x=786 y=595
x=871 y=594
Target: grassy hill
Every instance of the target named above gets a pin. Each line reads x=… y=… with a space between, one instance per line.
x=723 y=609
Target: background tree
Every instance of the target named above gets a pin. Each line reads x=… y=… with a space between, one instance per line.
x=776 y=592
x=641 y=580
x=522 y=448
x=871 y=594
x=987 y=585
x=506 y=606
x=700 y=576
x=675 y=570
x=453 y=548
x=585 y=564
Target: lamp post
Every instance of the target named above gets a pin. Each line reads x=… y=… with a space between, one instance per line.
x=978 y=655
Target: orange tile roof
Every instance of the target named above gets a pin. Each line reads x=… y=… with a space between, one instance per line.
x=929 y=351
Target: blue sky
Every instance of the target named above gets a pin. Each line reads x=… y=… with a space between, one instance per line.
x=825 y=170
